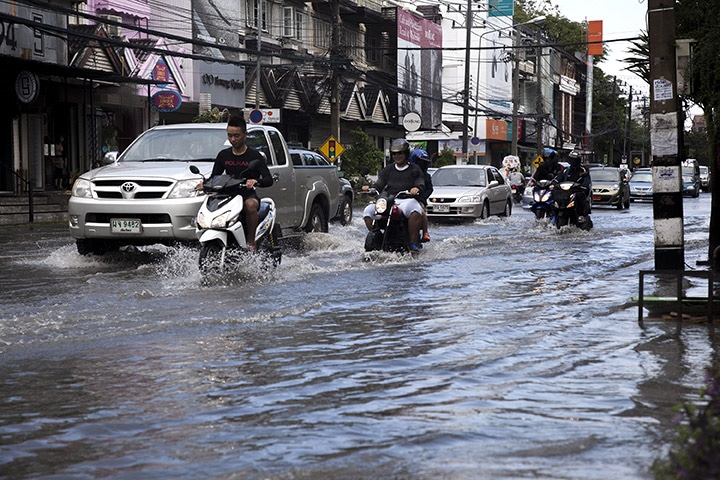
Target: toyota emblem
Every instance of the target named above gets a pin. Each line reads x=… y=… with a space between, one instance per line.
x=128 y=187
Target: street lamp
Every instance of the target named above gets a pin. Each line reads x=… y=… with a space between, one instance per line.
x=466 y=96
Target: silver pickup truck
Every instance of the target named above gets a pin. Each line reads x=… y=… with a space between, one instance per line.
x=147 y=195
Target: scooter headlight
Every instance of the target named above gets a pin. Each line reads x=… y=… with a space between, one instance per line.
x=381 y=205
x=545 y=197
x=202 y=222
x=220 y=220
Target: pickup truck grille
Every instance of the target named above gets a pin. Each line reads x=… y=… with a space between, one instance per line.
x=146 y=219
x=143 y=189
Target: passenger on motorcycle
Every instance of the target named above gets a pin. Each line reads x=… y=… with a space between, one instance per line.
x=422 y=160
x=549 y=168
x=241 y=161
x=397 y=177
x=516 y=178
x=578 y=174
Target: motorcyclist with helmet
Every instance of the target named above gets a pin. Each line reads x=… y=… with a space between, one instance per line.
x=550 y=167
x=399 y=176
x=578 y=174
x=421 y=158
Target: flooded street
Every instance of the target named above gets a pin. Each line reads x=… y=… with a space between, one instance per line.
x=508 y=350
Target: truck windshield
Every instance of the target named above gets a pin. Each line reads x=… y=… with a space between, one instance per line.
x=196 y=144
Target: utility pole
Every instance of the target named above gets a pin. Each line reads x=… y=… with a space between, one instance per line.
x=515 y=92
x=466 y=92
x=259 y=51
x=628 y=124
x=665 y=138
x=540 y=108
x=335 y=66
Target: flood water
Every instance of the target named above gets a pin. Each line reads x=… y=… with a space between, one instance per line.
x=508 y=350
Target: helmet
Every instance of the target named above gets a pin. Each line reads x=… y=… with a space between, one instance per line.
x=574 y=158
x=420 y=157
x=549 y=154
x=400 y=145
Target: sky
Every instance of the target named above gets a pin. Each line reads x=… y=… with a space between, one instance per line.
x=621 y=19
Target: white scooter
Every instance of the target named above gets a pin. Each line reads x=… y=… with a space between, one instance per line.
x=221 y=230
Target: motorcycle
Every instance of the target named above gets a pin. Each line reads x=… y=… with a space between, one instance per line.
x=220 y=226
x=389 y=232
x=542 y=204
x=564 y=196
x=517 y=193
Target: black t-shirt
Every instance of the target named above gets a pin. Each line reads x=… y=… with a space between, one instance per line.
x=248 y=165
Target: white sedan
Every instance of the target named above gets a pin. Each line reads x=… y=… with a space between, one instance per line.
x=469 y=191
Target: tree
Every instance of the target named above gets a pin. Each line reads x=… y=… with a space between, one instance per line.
x=361 y=153
x=639 y=61
x=697 y=19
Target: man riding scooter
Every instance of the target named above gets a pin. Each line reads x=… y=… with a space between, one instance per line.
x=578 y=174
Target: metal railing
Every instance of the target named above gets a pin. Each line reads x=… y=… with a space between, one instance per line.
x=27 y=183
x=678 y=299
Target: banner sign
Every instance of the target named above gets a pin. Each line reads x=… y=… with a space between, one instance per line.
x=166 y=101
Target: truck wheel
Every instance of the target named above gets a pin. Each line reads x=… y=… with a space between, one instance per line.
x=346 y=212
x=318 y=220
x=86 y=246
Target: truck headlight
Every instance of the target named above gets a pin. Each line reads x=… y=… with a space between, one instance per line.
x=185 y=189
x=82 y=188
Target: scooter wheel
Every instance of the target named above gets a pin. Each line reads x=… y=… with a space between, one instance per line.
x=210 y=262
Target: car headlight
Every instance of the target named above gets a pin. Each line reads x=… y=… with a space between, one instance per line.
x=82 y=188
x=381 y=205
x=614 y=188
x=469 y=199
x=185 y=189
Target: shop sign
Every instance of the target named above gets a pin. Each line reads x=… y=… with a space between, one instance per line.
x=166 y=101
x=161 y=73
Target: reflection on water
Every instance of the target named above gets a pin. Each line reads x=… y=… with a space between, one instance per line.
x=508 y=350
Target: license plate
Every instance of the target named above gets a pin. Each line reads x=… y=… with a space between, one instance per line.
x=597 y=197
x=125 y=225
x=442 y=208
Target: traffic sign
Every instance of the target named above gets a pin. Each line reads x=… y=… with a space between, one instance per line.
x=256 y=116
x=538 y=160
x=331 y=149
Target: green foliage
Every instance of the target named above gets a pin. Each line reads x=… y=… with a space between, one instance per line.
x=639 y=59
x=362 y=152
x=696 y=450
x=609 y=118
x=214 y=115
x=445 y=157
x=696 y=146
x=698 y=20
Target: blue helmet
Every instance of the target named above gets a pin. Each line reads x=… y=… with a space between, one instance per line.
x=549 y=154
x=420 y=157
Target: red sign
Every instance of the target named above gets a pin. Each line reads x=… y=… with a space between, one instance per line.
x=166 y=101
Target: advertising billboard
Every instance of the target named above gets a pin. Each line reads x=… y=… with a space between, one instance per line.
x=419 y=61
